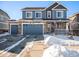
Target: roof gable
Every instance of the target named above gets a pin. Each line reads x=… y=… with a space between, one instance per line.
x=60 y=7
x=56 y=5
x=52 y=6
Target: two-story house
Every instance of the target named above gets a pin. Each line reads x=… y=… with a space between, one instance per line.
x=40 y=20
x=4 y=17
x=73 y=24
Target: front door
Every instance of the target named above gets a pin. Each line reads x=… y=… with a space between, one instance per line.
x=14 y=29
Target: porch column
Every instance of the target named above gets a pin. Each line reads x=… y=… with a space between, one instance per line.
x=55 y=25
x=21 y=29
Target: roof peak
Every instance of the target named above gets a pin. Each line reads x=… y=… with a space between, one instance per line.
x=54 y=4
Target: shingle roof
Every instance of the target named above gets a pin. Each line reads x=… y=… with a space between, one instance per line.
x=56 y=5
x=34 y=8
x=60 y=7
x=52 y=6
x=4 y=13
x=77 y=13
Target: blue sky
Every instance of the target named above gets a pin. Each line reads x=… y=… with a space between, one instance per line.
x=13 y=8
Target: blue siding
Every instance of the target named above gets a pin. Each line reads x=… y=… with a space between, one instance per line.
x=33 y=14
x=65 y=14
x=34 y=17
x=54 y=15
x=44 y=15
x=23 y=14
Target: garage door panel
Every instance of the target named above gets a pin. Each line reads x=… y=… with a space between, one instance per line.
x=26 y=29
x=33 y=29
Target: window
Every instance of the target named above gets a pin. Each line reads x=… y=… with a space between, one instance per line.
x=59 y=14
x=28 y=14
x=38 y=14
x=48 y=14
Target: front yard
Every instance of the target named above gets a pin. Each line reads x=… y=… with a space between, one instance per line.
x=57 y=45
x=15 y=44
x=61 y=46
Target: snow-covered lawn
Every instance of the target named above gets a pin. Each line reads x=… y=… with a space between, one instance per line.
x=66 y=37
x=56 y=46
x=10 y=47
x=61 y=40
x=59 y=51
x=4 y=34
x=3 y=40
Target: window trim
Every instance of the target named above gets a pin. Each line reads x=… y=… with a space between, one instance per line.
x=30 y=16
x=57 y=14
x=47 y=14
x=38 y=12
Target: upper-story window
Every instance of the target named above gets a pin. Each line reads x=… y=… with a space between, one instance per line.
x=38 y=14
x=28 y=14
x=59 y=14
x=48 y=14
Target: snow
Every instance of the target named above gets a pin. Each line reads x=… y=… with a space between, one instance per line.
x=4 y=34
x=56 y=46
x=52 y=51
x=60 y=40
x=76 y=38
x=64 y=37
x=59 y=51
x=3 y=40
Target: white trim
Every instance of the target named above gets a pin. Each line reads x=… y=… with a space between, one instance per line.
x=58 y=9
x=32 y=23
x=55 y=6
x=49 y=5
x=38 y=12
x=61 y=14
x=48 y=13
x=21 y=29
x=29 y=12
x=40 y=21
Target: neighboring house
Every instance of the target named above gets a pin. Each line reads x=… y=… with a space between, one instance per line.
x=40 y=20
x=73 y=24
x=3 y=21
